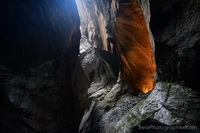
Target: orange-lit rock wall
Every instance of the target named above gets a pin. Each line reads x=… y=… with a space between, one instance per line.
x=133 y=44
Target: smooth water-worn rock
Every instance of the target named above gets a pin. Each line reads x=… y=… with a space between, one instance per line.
x=101 y=68
x=168 y=105
x=122 y=28
x=133 y=42
x=98 y=21
x=46 y=85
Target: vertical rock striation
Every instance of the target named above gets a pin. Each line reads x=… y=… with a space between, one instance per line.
x=171 y=106
x=122 y=28
x=98 y=22
x=134 y=46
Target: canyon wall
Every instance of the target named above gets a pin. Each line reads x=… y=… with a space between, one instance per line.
x=98 y=22
x=134 y=46
x=46 y=85
x=40 y=68
x=173 y=103
x=122 y=28
x=175 y=26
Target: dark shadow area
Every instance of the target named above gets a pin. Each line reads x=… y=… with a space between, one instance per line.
x=175 y=27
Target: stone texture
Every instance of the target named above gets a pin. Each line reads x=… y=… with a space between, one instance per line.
x=134 y=46
x=106 y=25
x=43 y=87
x=175 y=26
x=98 y=22
x=145 y=6
x=39 y=67
x=101 y=69
x=168 y=105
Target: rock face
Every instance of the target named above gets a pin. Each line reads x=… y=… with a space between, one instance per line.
x=45 y=82
x=135 y=50
x=100 y=68
x=175 y=26
x=98 y=22
x=39 y=67
x=121 y=28
x=162 y=105
x=170 y=107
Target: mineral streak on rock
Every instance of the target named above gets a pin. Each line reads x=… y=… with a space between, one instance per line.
x=133 y=43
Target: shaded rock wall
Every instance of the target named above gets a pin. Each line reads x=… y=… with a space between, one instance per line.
x=100 y=68
x=44 y=89
x=170 y=105
x=98 y=22
x=35 y=31
x=175 y=26
x=121 y=27
x=135 y=50
x=145 y=6
x=39 y=67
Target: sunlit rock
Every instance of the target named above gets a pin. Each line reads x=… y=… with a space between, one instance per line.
x=135 y=49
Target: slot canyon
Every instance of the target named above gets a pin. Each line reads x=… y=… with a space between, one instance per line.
x=99 y=66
